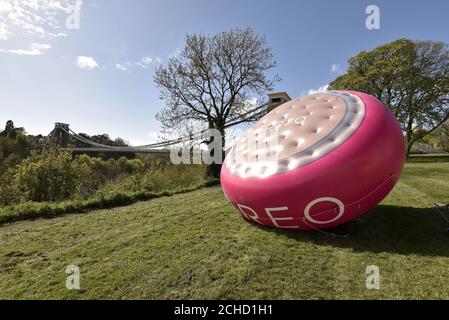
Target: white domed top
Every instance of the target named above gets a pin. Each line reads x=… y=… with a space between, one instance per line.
x=295 y=134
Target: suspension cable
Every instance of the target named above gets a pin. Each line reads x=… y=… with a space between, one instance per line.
x=195 y=136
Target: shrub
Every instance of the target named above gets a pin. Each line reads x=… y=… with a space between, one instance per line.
x=51 y=182
x=168 y=177
x=47 y=176
x=8 y=192
x=33 y=210
x=93 y=173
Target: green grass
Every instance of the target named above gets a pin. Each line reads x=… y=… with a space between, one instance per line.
x=194 y=245
x=110 y=199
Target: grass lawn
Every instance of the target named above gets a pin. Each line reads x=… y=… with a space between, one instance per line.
x=195 y=245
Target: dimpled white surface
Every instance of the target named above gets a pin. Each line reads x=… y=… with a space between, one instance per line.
x=295 y=134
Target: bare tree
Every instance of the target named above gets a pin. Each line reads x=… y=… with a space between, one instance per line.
x=213 y=78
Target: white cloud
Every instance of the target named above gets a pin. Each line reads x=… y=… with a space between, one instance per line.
x=58 y=35
x=251 y=102
x=87 y=63
x=336 y=68
x=144 y=63
x=121 y=67
x=35 y=49
x=3 y=32
x=5 y=6
x=147 y=60
x=41 y=19
x=320 y=89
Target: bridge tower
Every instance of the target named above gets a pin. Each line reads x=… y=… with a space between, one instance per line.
x=275 y=99
x=60 y=134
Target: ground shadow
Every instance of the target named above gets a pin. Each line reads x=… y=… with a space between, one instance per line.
x=401 y=230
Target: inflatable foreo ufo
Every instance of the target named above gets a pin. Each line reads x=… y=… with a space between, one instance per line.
x=315 y=162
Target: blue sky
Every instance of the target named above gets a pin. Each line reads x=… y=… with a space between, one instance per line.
x=99 y=78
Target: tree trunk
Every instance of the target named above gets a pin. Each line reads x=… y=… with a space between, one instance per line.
x=408 y=139
x=409 y=148
x=213 y=169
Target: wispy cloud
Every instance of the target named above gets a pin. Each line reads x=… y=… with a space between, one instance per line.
x=121 y=67
x=3 y=31
x=175 y=53
x=29 y=23
x=336 y=68
x=35 y=49
x=5 y=6
x=38 y=18
x=87 y=63
x=144 y=63
x=323 y=88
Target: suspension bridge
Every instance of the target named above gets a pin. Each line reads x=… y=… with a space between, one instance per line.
x=62 y=135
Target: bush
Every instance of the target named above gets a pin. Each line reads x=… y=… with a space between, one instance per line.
x=47 y=176
x=168 y=177
x=8 y=191
x=51 y=182
x=33 y=210
x=93 y=173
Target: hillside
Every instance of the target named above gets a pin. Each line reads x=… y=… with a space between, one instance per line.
x=195 y=245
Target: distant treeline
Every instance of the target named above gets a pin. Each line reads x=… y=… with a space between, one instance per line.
x=33 y=172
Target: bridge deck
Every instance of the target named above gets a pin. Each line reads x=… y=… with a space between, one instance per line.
x=119 y=150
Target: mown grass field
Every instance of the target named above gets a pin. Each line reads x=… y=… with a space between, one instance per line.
x=195 y=245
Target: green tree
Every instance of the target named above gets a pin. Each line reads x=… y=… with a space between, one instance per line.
x=9 y=194
x=9 y=127
x=47 y=176
x=439 y=139
x=13 y=148
x=410 y=77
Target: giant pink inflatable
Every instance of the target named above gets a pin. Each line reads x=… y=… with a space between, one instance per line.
x=315 y=162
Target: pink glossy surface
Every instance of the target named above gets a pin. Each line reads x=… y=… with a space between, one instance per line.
x=359 y=173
